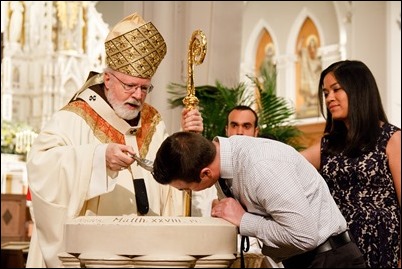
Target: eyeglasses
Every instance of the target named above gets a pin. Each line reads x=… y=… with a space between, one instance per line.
x=145 y=89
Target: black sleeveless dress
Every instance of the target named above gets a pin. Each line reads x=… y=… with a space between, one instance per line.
x=364 y=190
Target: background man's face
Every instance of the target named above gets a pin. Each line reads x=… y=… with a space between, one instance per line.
x=241 y=122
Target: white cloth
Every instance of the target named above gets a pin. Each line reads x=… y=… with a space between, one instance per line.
x=68 y=175
x=201 y=202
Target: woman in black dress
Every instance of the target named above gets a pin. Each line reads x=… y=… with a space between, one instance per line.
x=359 y=156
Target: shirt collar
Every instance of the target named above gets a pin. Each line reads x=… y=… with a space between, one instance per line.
x=225 y=157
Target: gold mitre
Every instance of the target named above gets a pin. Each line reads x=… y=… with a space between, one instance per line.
x=135 y=47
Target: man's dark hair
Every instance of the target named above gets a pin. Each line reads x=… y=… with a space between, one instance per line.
x=182 y=156
x=243 y=107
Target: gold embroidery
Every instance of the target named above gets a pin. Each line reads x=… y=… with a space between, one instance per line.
x=106 y=133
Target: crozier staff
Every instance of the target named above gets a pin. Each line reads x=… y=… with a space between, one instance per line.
x=196 y=54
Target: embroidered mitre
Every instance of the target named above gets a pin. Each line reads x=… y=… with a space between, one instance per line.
x=135 y=47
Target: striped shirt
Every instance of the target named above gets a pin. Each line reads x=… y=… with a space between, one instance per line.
x=289 y=206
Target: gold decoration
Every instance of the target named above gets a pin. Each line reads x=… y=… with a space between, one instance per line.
x=17 y=17
x=196 y=53
x=138 y=48
x=67 y=12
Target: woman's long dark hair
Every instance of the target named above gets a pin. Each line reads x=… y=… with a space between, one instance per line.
x=365 y=110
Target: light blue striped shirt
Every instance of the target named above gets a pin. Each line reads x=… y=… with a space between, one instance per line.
x=289 y=206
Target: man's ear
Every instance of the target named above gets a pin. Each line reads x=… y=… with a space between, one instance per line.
x=106 y=79
x=205 y=173
x=257 y=130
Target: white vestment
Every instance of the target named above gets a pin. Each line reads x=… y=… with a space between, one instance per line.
x=68 y=177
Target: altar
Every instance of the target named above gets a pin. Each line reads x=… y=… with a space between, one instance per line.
x=149 y=241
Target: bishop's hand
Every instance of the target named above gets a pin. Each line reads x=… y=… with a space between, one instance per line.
x=191 y=120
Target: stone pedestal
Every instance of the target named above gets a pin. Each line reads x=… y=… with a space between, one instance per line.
x=150 y=242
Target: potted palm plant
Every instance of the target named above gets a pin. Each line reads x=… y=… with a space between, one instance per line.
x=214 y=104
x=274 y=112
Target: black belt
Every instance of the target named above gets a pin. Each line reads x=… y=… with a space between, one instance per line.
x=331 y=243
x=334 y=242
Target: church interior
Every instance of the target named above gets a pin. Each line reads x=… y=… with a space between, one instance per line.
x=49 y=47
